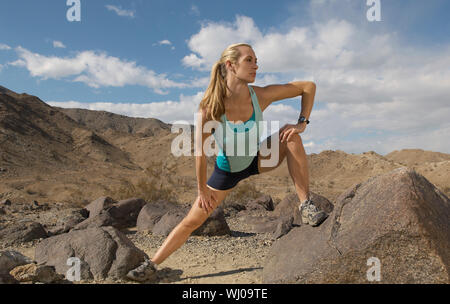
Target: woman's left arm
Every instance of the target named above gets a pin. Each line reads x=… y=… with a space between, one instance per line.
x=308 y=94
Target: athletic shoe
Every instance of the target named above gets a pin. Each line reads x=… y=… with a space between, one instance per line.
x=311 y=214
x=145 y=272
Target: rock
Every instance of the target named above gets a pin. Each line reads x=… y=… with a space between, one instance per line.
x=35 y=205
x=2 y=211
x=264 y=203
x=120 y=215
x=398 y=218
x=103 y=253
x=126 y=212
x=99 y=204
x=68 y=222
x=11 y=259
x=284 y=225
x=24 y=273
x=7 y=279
x=36 y=273
x=169 y=220
x=23 y=231
x=47 y=274
x=5 y=202
x=214 y=225
x=151 y=213
x=232 y=208
x=101 y=220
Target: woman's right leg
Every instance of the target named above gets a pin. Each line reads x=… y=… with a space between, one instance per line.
x=194 y=219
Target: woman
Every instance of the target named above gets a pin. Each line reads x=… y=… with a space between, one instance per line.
x=229 y=98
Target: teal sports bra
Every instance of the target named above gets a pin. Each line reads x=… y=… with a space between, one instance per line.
x=240 y=143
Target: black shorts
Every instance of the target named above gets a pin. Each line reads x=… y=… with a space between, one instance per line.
x=224 y=180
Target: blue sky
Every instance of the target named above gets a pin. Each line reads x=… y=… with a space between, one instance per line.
x=381 y=86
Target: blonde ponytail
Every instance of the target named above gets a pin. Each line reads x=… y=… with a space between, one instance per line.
x=213 y=99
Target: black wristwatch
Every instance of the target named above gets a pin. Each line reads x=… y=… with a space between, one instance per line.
x=302 y=119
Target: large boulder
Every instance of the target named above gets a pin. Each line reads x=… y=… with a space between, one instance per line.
x=151 y=213
x=101 y=220
x=105 y=211
x=103 y=252
x=399 y=219
x=66 y=222
x=214 y=225
x=169 y=221
x=126 y=212
x=21 y=232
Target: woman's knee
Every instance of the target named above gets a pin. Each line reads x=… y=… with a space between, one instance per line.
x=196 y=216
x=295 y=140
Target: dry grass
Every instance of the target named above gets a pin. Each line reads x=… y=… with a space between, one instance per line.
x=159 y=184
x=243 y=192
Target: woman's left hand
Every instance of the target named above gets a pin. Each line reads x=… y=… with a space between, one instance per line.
x=288 y=130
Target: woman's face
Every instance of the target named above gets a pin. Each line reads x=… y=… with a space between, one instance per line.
x=246 y=66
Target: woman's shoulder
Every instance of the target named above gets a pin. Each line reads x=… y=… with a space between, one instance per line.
x=260 y=96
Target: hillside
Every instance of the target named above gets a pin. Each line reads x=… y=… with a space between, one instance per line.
x=75 y=155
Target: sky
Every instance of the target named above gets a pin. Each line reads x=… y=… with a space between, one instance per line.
x=382 y=85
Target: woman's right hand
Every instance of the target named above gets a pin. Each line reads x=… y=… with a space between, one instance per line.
x=207 y=199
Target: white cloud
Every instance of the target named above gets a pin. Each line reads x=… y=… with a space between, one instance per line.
x=4 y=47
x=120 y=12
x=166 y=111
x=194 y=10
x=167 y=42
x=96 y=69
x=368 y=83
x=213 y=38
x=58 y=44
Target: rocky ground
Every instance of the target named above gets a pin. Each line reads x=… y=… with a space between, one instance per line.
x=235 y=258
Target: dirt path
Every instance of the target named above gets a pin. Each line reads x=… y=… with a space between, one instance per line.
x=238 y=258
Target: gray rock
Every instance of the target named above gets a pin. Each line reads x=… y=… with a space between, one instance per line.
x=105 y=253
x=101 y=220
x=151 y=213
x=107 y=212
x=261 y=203
x=11 y=259
x=284 y=225
x=214 y=225
x=399 y=218
x=125 y=212
x=8 y=279
x=23 y=231
x=47 y=274
x=101 y=203
x=168 y=221
x=232 y=208
x=68 y=222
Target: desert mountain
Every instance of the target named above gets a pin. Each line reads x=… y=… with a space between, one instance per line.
x=415 y=157
x=75 y=156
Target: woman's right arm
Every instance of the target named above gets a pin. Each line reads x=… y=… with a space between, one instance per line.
x=205 y=194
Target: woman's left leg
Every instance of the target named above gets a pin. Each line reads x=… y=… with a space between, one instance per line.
x=295 y=153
